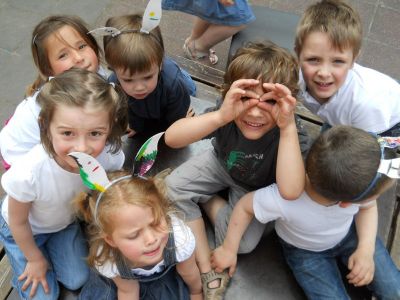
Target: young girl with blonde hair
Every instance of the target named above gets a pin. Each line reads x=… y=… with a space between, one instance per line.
x=138 y=242
x=80 y=111
x=59 y=42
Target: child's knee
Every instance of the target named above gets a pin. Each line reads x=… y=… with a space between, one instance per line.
x=247 y=246
x=77 y=280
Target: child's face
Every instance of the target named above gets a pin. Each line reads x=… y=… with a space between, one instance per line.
x=138 y=239
x=67 y=49
x=255 y=122
x=138 y=85
x=78 y=129
x=324 y=67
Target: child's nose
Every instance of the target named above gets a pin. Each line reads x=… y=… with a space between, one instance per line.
x=150 y=237
x=81 y=145
x=324 y=71
x=255 y=111
x=78 y=57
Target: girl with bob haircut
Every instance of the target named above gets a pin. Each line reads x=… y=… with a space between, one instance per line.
x=44 y=243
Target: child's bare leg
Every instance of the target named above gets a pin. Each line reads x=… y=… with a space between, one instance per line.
x=213 y=206
x=214 y=35
x=202 y=250
x=199 y=27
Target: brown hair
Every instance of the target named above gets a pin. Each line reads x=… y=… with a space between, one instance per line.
x=335 y=18
x=42 y=31
x=342 y=163
x=82 y=88
x=265 y=61
x=138 y=191
x=133 y=51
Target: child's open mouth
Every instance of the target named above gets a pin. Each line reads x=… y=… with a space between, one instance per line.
x=324 y=84
x=254 y=125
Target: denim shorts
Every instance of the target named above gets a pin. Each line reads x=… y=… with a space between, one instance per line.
x=214 y=12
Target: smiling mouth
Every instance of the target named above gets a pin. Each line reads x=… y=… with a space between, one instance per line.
x=324 y=84
x=255 y=125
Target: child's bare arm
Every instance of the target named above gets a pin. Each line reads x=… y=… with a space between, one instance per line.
x=190 y=274
x=128 y=289
x=361 y=262
x=36 y=267
x=189 y=130
x=290 y=173
x=225 y=256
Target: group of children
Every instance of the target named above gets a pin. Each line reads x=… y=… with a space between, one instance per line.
x=147 y=235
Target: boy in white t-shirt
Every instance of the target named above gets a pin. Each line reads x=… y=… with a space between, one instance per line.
x=334 y=219
x=332 y=85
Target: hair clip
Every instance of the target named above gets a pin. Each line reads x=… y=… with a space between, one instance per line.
x=151 y=19
x=112 y=83
x=95 y=177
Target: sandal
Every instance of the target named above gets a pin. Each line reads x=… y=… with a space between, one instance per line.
x=216 y=293
x=192 y=53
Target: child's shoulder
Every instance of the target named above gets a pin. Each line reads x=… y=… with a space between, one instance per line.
x=367 y=78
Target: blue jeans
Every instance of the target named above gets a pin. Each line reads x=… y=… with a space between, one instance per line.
x=65 y=252
x=319 y=276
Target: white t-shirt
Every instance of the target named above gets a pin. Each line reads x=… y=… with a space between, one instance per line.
x=37 y=178
x=368 y=100
x=22 y=132
x=303 y=223
x=184 y=248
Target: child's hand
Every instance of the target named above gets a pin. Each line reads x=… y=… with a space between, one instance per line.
x=238 y=99
x=222 y=259
x=278 y=100
x=362 y=267
x=130 y=132
x=35 y=274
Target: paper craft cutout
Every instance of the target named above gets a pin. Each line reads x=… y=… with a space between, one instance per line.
x=104 y=31
x=151 y=19
x=151 y=16
x=92 y=173
x=146 y=155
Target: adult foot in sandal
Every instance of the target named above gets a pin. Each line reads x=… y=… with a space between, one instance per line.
x=191 y=52
x=214 y=284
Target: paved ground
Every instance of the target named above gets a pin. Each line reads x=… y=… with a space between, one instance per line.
x=381 y=48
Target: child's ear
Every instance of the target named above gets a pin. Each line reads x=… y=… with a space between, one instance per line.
x=109 y=240
x=356 y=56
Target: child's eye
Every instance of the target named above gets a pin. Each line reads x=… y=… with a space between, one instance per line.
x=96 y=133
x=339 y=61
x=82 y=46
x=127 y=80
x=312 y=59
x=67 y=133
x=148 y=77
x=62 y=55
x=244 y=98
x=271 y=102
x=133 y=236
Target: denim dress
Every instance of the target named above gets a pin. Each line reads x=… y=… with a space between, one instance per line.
x=213 y=11
x=166 y=285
